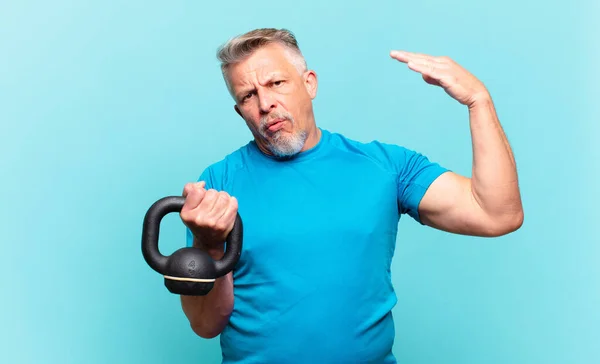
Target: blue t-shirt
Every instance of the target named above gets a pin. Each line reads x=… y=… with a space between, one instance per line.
x=313 y=283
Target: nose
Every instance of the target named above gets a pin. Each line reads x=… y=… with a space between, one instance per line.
x=266 y=101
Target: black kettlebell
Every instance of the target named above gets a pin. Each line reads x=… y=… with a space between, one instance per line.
x=188 y=271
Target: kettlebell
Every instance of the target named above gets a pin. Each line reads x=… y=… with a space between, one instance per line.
x=188 y=271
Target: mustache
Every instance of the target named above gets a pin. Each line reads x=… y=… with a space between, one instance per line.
x=265 y=120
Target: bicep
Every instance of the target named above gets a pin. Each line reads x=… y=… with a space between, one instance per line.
x=449 y=205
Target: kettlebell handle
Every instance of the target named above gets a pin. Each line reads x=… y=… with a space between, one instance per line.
x=151 y=228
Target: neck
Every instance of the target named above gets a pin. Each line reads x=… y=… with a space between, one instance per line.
x=314 y=135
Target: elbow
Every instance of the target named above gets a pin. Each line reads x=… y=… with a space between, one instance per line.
x=507 y=224
x=209 y=328
x=514 y=223
x=205 y=333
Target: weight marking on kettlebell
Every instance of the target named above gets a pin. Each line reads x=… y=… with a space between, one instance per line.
x=192 y=267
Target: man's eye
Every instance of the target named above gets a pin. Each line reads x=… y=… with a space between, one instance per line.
x=277 y=83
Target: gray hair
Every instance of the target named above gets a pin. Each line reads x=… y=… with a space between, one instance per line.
x=242 y=46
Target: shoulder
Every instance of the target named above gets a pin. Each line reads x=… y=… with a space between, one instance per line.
x=219 y=172
x=389 y=156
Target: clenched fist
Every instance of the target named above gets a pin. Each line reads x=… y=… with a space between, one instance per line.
x=209 y=214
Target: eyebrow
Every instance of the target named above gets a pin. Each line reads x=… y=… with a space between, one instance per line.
x=244 y=92
x=270 y=78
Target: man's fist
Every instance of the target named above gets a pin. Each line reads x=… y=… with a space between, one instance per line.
x=209 y=214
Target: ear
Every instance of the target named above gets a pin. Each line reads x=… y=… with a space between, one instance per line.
x=311 y=83
x=237 y=109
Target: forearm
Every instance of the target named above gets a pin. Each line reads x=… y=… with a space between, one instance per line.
x=494 y=181
x=208 y=315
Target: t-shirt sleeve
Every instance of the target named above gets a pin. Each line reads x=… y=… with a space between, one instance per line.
x=415 y=174
x=207 y=176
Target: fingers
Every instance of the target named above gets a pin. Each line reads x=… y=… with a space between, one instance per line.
x=202 y=214
x=227 y=221
x=444 y=72
x=221 y=216
x=192 y=186
x=430 y=80
x=428 y=68
x=218 y=207
x=406 y=57
x=193 y=193
x=208 y=213
x=439 y=71
x=208 y=203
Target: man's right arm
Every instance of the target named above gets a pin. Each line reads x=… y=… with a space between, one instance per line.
x=209 y=314
x=210 y=215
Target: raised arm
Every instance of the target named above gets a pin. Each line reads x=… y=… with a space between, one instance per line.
x=489 y=202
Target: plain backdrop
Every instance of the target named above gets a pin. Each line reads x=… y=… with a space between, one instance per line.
x=107 y=106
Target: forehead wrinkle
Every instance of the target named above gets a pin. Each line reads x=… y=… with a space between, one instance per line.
x=255 y=76
x=244 y=83
x=260 y=71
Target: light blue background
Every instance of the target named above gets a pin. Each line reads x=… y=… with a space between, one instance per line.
x=106 y=107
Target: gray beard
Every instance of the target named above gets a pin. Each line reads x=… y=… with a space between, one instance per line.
x=280 y=143
x=284 y=145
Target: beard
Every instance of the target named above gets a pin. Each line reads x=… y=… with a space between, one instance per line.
x=282 y=144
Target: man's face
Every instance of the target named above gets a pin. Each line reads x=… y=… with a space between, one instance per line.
x=274 y=99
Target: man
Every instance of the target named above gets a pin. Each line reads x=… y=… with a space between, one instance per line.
x=321 y=211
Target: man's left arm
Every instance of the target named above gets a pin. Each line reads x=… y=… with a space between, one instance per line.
x=488 y=203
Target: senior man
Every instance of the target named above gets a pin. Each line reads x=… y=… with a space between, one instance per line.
x=321 y=211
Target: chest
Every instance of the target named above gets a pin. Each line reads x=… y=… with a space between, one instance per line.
x=301 y=209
